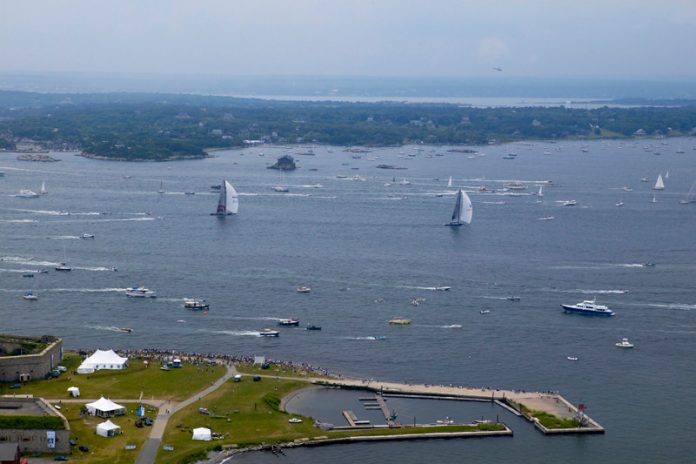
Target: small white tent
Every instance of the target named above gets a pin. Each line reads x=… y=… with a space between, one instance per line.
x=105 y=408
x=202 y=433
x=108 y=429
x=74 y=391
x=102 y=360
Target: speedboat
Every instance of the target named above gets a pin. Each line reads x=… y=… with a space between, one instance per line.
x=443 y=289
x=26 y=193
x=572 y=358
x=303 y=289
x=63 y=267
x=619 y=204
x=140 y=292
x=269 y=333
x=588 y=308
x=644 y=179
x=513 y=298
x=400 y=321
x=624 y=343
x=515 y=185
x=125 y=329
x=281 y=189
x=194 y=304
x=28 y=274
x=569 y=203
x=30 y=296
x=485 y=311
x=313 y=327
x=289 y=322
x=87 y=236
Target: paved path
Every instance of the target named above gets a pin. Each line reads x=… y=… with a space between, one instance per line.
x=149 y=452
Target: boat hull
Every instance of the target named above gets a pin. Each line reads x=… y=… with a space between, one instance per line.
x=586 y=312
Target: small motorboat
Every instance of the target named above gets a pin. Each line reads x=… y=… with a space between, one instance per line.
x=289 y=322
x=513 y=298
x=25 y=193
x=189 y=193
x=569 y=203
x=125 y=329
x=140 y=292
x=443 y=289
x=398 y=321
x=485 y=311
x=63 y=267
x=87 y=236
x=281 y=189
x=195 y=305
x=313 y=327
x=269 y=333
x=624 y=343
x=303 y=289
x=29 y=296
x=572 y=358
x=620 y=204
x=28 y=274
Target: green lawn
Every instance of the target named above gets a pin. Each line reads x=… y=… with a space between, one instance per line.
x=554 y=422
x=246 y=413
x=175 y=384
x=104 y=450
x=277 y=370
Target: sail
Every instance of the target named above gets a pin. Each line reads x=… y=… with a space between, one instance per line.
x=232 y=199
x=541 y=191
x=467 y=211
x=43 y=190
x=667 y=175
x=457 y=213
x=222 y=201
x=691 y=195
x=449 y=183
x=659 y=185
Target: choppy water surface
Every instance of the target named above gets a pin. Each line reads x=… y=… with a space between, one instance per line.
x=367 y=250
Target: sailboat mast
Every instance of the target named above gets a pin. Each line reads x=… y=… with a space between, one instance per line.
x=222 y=202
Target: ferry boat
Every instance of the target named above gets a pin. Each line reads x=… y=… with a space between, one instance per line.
x=140 y=292
x=196 y=305
x=289 y=322
x=588 y=308
x=624 y=343
x=269 y=333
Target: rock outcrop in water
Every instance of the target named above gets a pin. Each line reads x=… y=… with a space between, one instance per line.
x=284 y=163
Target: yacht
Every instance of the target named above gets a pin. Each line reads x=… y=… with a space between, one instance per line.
x=30 y=296
x=303 y=289
x=289 y=322
x=588 y=308
x=196 y=305
x=624 y=343
x=139 y=292
x=269 y=333
x=26 y=193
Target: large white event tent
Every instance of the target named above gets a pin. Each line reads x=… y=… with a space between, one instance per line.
x=104 y=407
x=102 y=360
x=202 y=433
x=108 y=429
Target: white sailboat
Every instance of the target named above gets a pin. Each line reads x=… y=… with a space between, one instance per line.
x=449 y=182
x=161 y=189
x=659 y=184
x=690 y=196
x=43 y=190
x=228 y=203
x=541 y=191
x=667 y=175
x=654 y=199
x=463 y=210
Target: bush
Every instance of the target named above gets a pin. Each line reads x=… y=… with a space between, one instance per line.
x=31 y=422
x=272 y=401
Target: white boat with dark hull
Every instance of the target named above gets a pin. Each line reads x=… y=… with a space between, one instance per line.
x=269 y=333
x=463 y=210
x=588 y=308
x=228 y=202
x=303 y=289
x=289 y=322
x=195 y=304
x=140 y=292
x=29 y=296
x=26 y=193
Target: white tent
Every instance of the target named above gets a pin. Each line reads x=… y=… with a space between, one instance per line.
x=74 y=391
x=108 y=429
x=102 y=360
x=202 y=433
x=105 y=408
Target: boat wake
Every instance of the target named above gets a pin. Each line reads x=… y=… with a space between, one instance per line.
x=238 y=333
x=602 y=266
x=105 y=328
x=680 y=306
x=64 y=237
x=94 y=269
x=21 y=271
x=18 y=221
x=86 y=290
x=432 y=289
x=29 y=261
x=617 y=291
x=451 y=326
x=260 y=318
x=364 y=338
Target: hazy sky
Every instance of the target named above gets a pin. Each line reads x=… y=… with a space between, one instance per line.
x=544 y=38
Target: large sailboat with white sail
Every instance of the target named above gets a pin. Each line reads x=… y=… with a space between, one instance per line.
x=463 y=210
x=228 y=203
x=659 y=184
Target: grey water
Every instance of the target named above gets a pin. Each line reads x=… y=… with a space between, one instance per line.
x=367 y=250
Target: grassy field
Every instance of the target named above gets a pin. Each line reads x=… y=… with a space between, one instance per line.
x=554 y=422
x=175 y=384
x=104 y=450
x=246 y=413
x=277 y=370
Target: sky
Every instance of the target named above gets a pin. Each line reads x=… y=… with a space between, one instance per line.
x=623 y=39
